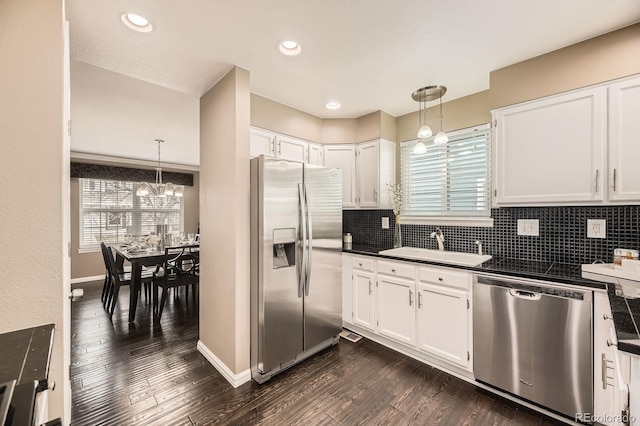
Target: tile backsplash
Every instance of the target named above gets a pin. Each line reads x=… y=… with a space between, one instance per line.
x=562 y=237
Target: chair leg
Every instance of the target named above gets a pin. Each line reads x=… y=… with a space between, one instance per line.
x=105 y=285
x=162 y=302
x=116 y=290
x=186 y=297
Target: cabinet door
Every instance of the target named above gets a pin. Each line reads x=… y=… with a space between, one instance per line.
x=443 y=323
x=368 y=173
x=364 y=299
x=551 y=150
x=343 y=157
x=291 y=149
x=316 y=154
x=261 y=143
x=347 y=288
x=396 y=315
x=624 y=128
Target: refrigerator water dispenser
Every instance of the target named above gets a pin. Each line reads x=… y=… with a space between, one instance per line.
x=284 y=248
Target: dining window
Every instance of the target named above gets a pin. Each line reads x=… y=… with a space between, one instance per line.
x=109 y=210
x=451 y=180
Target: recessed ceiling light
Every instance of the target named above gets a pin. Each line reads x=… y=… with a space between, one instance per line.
x=290 y=48
x=333 y=105
x=137 y=22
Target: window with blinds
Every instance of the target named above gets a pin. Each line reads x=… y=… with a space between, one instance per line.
x=449 y=180
x=110 y=209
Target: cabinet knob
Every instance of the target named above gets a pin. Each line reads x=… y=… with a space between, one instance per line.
x=440 y=279
x=393 y=270
x=360 y=263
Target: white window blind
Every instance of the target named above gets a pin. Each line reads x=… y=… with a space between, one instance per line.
x=449 y=180
x=110 y=209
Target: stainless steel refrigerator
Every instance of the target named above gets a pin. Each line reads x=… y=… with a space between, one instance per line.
x=296 y=263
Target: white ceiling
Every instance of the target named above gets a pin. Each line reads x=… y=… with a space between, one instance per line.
x=368 y=54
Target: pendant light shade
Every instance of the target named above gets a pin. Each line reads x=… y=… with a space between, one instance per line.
x=420 y=148
x=441 y=138
x=422 y=96
x=424 y=132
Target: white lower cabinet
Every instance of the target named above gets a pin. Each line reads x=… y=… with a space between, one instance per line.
x=364 y=306
x=443 y=323
x=396 y=308
x=421 y=309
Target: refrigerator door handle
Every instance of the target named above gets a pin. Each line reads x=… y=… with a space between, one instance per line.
x=303 y=228
x=309 y=240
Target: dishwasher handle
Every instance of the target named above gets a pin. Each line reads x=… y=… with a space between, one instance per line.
x=524 y=294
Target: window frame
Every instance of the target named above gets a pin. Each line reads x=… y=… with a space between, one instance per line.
x=135 y=211
x=446 y=216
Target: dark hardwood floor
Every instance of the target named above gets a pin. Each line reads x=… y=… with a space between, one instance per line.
x=150 y=373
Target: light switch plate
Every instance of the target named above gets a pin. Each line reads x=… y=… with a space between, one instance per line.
x=385 y=223
x=530 y=227
x=596 y=228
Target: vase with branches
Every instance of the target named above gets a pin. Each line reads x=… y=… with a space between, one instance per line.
x=396 y=200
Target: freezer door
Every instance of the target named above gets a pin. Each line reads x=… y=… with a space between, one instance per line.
x=277 y=317
x=323 y=286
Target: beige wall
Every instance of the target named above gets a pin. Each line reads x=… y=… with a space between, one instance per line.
x=607 y=57
x=388 y=127
x=224 y=219
x=31 y=169
x=91 y=264
x=339 y=130
x=271 y=115
x=368 y=127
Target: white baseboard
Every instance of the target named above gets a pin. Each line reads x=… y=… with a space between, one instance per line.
x=235 y=379
x=87 y=279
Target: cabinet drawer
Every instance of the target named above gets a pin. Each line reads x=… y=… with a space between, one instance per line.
x=445 y=277
x=397 y=269
x=363 y=263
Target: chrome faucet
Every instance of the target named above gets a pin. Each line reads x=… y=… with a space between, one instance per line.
x=439 y=236
x=479 y=244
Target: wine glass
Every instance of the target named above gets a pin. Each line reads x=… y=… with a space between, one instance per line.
x=191 y=237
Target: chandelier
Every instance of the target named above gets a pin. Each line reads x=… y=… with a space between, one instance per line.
x=158 y=188
x=422 y=96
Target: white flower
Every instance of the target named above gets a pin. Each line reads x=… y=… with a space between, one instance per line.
x=396 y=197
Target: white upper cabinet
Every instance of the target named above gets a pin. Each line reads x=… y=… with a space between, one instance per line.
x=343 y=157
x=316 y=154
x=366 y=169
x=368 y=173
x=291 y=149
x=261 y=142
x=270 y=144
x=551 y=150
x=624 y=144
x=375 y=168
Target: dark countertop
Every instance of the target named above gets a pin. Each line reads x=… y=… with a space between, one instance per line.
x=25 y=355
x=626 y=313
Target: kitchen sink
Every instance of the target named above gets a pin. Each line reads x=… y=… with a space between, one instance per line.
x=451 y=257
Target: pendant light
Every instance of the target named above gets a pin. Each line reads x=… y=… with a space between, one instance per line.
x=158 y=188
x=422 y=96
x=441 y=138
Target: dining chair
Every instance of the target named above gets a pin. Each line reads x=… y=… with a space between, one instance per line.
x=106 y=288
x=178 y=271
x=119 y=279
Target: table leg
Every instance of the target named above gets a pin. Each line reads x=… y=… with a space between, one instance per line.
x=136 y=272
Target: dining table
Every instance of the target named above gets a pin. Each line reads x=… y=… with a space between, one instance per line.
x=139 y=258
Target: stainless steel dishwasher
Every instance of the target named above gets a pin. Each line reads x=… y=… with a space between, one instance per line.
x=533 y=339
